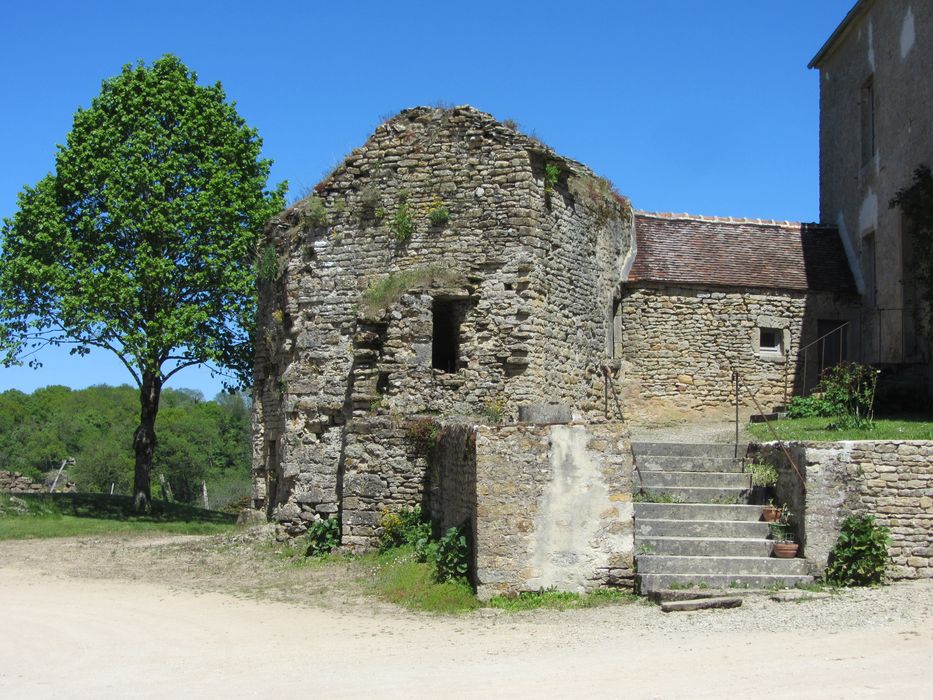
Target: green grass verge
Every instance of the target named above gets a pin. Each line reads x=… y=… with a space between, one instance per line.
x=814 y=429
x=561 y=600
x=399 y=578
x=24 y=516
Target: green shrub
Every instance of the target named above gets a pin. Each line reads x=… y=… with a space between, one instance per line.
x=452 y=561
x=762 y=474
x=403 y=222
x=267 y=265
x=322 y=537
x=849 y=388
x=809 y=407
x=401 y=527
x=439 y=215
x=495 y=409
x=860 y=556
x=551 y=173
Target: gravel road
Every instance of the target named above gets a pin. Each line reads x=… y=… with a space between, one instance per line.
x=226 y=617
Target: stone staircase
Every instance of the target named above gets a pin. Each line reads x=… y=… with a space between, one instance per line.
x=698 y=530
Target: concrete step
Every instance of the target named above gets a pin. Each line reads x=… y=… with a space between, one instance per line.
x=722 y=566
x=685 y=449
x=704 y=546
x=647 y=583
x=696 y=494
x=700 y=528
x=687 y=464
x=696 y=511
x=731 y=480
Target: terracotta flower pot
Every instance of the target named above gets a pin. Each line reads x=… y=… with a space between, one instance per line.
x=785 y=550
x=770 y=514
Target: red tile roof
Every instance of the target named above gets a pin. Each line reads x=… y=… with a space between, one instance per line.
x=730 y=252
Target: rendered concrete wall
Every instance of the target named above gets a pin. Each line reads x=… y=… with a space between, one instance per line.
x=891 y=480
x=892 y=45
x=553 y=508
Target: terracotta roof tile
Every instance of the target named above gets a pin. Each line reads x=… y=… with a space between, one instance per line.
x=733 y=252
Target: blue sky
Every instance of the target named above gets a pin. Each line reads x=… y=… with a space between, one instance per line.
x=706 y=107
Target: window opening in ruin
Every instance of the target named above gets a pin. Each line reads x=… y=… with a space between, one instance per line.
x=272 y=465
x=771 y=341
x=448 y=314
x=868 y=119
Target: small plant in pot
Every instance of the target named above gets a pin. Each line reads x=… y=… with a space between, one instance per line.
x=782 y=535
x=770 y=513
x=763 y=477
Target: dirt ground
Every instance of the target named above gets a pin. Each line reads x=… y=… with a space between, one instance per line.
x=225 y=617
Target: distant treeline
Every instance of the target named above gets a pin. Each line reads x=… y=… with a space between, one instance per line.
x=198 y=440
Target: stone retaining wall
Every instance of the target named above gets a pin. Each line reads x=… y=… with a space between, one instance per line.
x=891 y=480
x=15 y=482
x=553 y=508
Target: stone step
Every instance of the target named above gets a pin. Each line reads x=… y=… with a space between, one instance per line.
x=731 y=480
x=688 y=464
x=647 y=583
x=696 y=511
x=686 y=449
x=703 y=546
x=700 y=528
x=662 y=595
x=696 y=494
x=721 y=566
x=701 y=604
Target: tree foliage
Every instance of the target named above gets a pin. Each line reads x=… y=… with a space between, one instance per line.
x=142 y=241
x=198 y=440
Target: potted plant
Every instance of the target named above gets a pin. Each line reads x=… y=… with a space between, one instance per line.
x=782 y=535
x=763 y=477
x=770 y=513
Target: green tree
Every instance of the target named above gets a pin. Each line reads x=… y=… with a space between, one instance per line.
x=142 y=241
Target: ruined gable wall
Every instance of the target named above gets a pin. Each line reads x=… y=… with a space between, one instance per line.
x=681 y=344
x=532 y=271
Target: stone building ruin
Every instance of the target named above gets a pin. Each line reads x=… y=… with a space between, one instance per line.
x=456 y=318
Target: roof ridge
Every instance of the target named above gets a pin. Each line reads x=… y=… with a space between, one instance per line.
x=719 y=219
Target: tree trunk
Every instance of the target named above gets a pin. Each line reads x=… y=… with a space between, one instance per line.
x=144 y=439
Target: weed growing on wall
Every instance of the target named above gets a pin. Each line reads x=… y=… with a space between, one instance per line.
x=267 y=264
x=452 y=562
x=438 y=214
x=495 y=409
x=385 y=291
x=551 y=173
x=316 y=213
x=403 y=222
x=860 y=556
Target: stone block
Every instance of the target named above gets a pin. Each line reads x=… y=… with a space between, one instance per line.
x=544 y=413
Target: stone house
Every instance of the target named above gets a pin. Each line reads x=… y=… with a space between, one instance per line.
x=709 y=296
x=876 y=127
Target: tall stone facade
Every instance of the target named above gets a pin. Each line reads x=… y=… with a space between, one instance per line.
x=451 y=266
x=876 y=127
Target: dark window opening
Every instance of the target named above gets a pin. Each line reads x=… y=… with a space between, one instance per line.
x=445 y=343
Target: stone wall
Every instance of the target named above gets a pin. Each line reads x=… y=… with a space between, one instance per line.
x=681 y=344
x=453 y=477
x=523 y=275
x=15 y=482
x=553 y=508
x=891 y=480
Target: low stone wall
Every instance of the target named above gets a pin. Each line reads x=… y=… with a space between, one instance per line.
x=15 y=482
x=890 y=479
x=553 y=508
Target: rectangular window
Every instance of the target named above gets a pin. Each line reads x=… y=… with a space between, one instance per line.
x=868 y=120
x=447 y=314
x=771 y=341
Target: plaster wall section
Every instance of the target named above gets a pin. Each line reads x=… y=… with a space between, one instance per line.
x=523 y=271
x=553 y=508
x=891 y=480
x=681 y=344
x=869 y=151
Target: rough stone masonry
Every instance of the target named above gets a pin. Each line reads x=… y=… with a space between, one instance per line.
x=450 y=267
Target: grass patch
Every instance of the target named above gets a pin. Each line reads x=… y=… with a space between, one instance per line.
x=385 y=291
x=561 y=600
x=399 y=578
x=645 y=496
x=815 y=429
x=27 y=516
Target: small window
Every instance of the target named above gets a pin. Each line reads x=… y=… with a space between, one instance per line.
x=771 y=341
x=447 y=314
